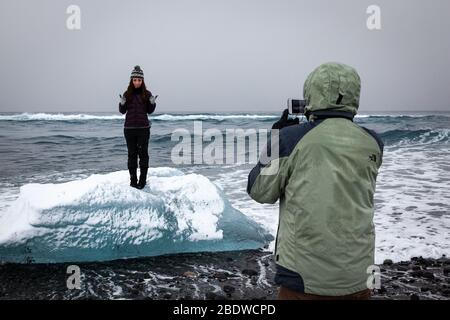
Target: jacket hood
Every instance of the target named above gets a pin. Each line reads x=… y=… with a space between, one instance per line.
x=332 y=87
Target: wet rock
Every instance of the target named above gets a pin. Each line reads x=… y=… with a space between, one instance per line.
x=228 y=289
x=167 y=295
x=404 y=280
x=414 y=297
x=421 y=261
x=249 y=272
x=444 y=261
x=236 y=280
x=428 y=275
x=388 y=262
x=423 y=274
x=414 y=267
x=403 y=268
x=210 y=296
x=190 y=274
x=382 y=290
x=220 y=275
x=446 y=271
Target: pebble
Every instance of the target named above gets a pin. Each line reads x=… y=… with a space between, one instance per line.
x=249 y=272
x=190 y=274
x=414 y=297
x=228 y=289
x=388 y=262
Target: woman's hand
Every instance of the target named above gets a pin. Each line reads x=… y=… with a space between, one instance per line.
x=122 y=104
x=153 y=99
x=152 y=105
x=123 y=100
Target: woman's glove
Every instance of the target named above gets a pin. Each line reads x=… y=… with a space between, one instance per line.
x=153 y=99
x=123 y=100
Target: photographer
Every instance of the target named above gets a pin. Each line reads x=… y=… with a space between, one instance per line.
x=325 y=181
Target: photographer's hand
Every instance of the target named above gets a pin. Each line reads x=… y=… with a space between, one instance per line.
x=285 y=121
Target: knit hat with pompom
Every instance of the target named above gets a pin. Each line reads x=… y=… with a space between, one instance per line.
x=137 y=72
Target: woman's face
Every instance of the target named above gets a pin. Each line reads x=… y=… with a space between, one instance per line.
x=137 y=82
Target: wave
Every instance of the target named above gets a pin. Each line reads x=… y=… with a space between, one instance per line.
x=161 y=117
x=177 y=117
x=403 y=116
x=102 y=218
x=182 y=117
x=74 y=139
x=397 y=137
x=57 y=117
x=218 y=117
x=415 y=137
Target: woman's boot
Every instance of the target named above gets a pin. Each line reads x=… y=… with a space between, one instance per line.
x=142 y=178
x=133 y=177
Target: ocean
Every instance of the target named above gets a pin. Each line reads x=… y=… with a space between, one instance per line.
x=64 y=192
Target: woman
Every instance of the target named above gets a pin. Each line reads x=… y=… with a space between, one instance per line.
x=137 y=102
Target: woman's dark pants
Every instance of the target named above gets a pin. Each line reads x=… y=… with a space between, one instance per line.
x=137 y=144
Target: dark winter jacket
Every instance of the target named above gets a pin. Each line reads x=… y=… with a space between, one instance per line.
x=136 y=110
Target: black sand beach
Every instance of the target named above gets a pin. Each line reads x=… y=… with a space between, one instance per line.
x=221 y=275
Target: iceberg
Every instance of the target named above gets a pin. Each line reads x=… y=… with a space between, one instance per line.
x=102 y=218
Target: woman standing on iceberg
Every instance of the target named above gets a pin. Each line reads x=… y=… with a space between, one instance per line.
x=137 y=102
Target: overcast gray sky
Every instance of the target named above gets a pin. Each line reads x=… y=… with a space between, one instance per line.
x=220 y=55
